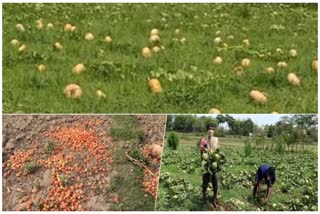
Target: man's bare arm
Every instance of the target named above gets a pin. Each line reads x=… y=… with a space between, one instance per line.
x=268 y=194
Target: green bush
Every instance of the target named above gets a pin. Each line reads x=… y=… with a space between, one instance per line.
x=219 y=132
x=247 y=148
x=280 y=145
x=173 y=140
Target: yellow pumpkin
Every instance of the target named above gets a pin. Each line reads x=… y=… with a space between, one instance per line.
x=155 y=86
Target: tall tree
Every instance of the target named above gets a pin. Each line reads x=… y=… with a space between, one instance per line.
x=221 y=119
x=247 y=127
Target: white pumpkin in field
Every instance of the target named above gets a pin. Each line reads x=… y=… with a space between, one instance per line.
x=156 y=49
x=15 y=42
x=218 y=60
x=245 y=63
x=246 y=42
x=73 y=28
x=39 y=24
x=49 y=26
x=78 y=68
x=279 y=51
x=20 y=27
x=230 y=37
x=293 y=53
x=217 y=40
x=58 y=46
x=154 y=31
x=100 y=94
x=293 y=79
x=42 y=68
x=214 y=111
x=258 y=97
x=146 y=53
x=67 y=27
x=315 y=66
x=270 y=70
x=183 y=40
x=22 y=48
x=154 y=38
x=88 y=36
x=108 y=39
x=73 y=91
x=282 y=64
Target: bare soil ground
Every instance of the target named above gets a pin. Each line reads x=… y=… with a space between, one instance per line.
x=73 y=163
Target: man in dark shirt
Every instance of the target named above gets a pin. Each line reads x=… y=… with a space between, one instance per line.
x=267 y=174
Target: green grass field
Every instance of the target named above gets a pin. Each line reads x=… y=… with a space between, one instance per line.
x=180 y=180
x=191 y=82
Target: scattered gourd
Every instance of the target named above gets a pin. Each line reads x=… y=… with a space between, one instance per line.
x=245 y=63
x=79 y=68
x=155 y=86
x=20 y=27
x=88 y=36
x=108 y=39
x=42 y=68
x=214 y=111
x=258 y=97
x=315 y=66
x=58 y=46
x=146 y=53
x=293 y=79
x=100 y=94
x=218 y=60
x=73 y=91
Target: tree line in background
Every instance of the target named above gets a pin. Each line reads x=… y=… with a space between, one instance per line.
x=291 y=132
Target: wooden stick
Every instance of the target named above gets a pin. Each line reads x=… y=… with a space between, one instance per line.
x=139 y=163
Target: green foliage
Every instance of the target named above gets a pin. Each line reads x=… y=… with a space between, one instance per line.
x=184 y=123
x=173 y=140
x=127 y=129
x=280 y=145
x=30 y=168
x=219 y=132
x=50 y=147
x=169 y=123
x=236 y=178
x=136 y=154
x=65 y=179
x=191 y=82
x=247 y=148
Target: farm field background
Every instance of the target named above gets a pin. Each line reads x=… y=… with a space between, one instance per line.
x=81 y=163
x=296 y=187
x=115 y=75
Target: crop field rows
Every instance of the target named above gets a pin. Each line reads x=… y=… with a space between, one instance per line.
x=112 y=58
x=180 y=180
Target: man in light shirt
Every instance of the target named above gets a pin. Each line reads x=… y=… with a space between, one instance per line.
x=209 y=143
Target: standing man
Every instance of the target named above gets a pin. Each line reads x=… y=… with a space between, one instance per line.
x=209 y=143
x=264 y=173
